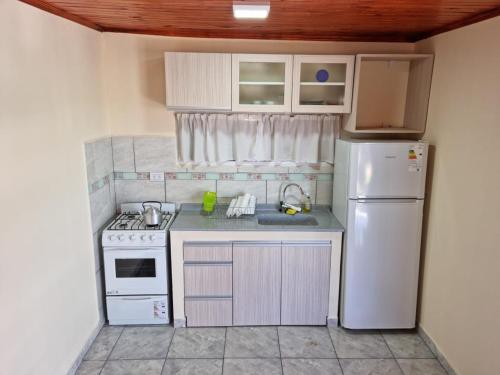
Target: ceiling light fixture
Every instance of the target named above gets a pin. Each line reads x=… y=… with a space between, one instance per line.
x=251 y=10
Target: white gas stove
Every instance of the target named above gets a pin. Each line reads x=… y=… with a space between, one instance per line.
x=129 y=229
x=135 y=267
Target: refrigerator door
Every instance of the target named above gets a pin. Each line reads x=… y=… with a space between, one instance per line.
x=381 y=264
x=387 y=170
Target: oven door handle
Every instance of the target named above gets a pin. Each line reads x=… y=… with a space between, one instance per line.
x=136 y=298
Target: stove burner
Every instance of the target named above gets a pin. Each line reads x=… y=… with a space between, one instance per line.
x=122 y=225
x=130 y=216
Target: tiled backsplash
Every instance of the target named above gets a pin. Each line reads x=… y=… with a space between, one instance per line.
x=135 y=157
x=100 y=180
x=119 y=170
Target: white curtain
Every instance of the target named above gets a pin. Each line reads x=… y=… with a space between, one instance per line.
x=217 y=138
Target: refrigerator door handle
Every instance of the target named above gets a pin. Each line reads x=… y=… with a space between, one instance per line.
x=389 y=200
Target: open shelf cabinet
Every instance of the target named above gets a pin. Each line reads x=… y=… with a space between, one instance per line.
x=391 y=93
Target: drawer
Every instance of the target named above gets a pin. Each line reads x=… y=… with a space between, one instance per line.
x=208 y=252
x=208 y=280
x=208 y=312
x=137 y=310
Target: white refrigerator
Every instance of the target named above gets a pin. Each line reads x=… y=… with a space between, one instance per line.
x=378 y=195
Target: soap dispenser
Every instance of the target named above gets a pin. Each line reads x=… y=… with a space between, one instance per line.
x=306 y=203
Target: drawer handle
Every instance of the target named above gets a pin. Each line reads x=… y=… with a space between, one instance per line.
x=207 y=263
x=208 y=298
x=208 y=244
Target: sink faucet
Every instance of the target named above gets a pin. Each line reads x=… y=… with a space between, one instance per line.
x=283 y=203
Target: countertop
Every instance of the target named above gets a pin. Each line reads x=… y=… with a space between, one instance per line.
x=190 y=218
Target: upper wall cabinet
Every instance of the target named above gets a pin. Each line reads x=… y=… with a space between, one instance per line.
x=391 y=94
x=262 y=83
x=322 y=84
x=258 y=82
x=198 y=81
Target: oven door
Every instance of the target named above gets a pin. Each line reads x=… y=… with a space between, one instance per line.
x=135 y=271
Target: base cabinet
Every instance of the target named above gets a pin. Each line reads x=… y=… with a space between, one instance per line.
x=256 y=283
x=305 y=270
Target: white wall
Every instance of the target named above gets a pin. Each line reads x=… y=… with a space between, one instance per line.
x=135 y=78
x=50 y=104
x=460 y=306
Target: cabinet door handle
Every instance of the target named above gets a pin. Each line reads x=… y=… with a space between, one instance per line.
x=307 y=243
x=260 y=243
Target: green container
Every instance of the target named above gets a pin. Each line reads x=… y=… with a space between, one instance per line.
x=209 y=201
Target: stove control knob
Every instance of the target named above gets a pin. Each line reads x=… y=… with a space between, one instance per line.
x=121 y=237
x=152 y=237
x=112 y=237
x=144 y=237
x=132 y=237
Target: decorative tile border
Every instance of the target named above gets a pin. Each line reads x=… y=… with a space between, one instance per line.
x=238 y=176
x=131 y=175
x=99 y=184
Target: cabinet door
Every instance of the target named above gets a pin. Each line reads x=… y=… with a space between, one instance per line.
x=256 y=283
x=322 y=84
x=198 y=81
x=262 y=83
x=305 y=283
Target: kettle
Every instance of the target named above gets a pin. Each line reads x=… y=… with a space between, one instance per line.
x=151 y=215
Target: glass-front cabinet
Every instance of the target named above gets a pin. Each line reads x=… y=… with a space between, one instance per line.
x=322 y=83
x=262 y=83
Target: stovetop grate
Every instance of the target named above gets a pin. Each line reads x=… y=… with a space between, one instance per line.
x=128 y=221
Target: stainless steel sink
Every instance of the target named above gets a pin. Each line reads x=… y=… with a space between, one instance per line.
x=283 y=219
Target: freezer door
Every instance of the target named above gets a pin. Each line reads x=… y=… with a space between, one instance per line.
x=381 y=263
x=388 y=170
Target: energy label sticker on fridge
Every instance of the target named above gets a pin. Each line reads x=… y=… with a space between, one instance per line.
x=415 y=157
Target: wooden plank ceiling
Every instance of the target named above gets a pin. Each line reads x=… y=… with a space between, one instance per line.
x=340 y=20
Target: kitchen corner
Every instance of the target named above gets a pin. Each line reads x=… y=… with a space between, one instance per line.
x=250 y=187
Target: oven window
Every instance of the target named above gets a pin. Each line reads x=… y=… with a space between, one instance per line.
x=127 y=268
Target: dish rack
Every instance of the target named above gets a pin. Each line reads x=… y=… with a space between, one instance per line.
x=240 y=206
